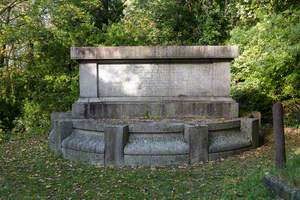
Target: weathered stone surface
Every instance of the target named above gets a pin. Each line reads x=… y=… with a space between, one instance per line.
x=61 y=129
x=156 y=127
x=88 y=124
x=155 y=160
x=224 y=154
x=170 y=109
x=156 y=144
x=80 y=110
x=83 y=145
x=88 y=79
x=55 y=147
x=250 y=127
x=87 y=141
x=167 y=139
x=227 y=140
x=229 y=124
x=54 y=135
x=161 y=80
x=198 y=142
x=281 y=188
x=154 y=52
x=57 y=128
x=116 y=136
x=256 y=115
x=60 y=115
x=126 y=99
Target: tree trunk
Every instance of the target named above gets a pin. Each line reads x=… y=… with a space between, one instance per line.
x=3 y=49
x=2 y=55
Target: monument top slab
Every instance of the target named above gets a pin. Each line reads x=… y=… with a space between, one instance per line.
x=154 y=52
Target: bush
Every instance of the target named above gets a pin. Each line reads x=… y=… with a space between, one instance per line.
x=32 y=96
x=268 y=68
x=51 y=93
x=12 y=93
x=2 y=132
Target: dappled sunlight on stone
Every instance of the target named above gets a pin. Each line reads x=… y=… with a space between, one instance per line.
x=122 y=80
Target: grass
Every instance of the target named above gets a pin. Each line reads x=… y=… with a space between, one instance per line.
x=29 y=170
x=291 y=172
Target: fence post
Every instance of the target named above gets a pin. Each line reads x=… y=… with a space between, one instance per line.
x=278 y=129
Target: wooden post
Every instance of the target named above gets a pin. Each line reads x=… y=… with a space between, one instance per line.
x=278 y=128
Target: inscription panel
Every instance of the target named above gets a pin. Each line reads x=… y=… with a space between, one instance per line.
x=88 y=79
x=116 y=80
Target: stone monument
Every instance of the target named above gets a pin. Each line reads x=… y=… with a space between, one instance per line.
x=161 y=105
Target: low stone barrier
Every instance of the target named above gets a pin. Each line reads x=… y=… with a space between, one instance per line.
x=150 y=143
x=281 y=188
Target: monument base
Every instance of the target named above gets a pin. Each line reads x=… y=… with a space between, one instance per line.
x=148 y=142
x=155 y=107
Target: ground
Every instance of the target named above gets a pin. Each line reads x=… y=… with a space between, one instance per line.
x=29 y=170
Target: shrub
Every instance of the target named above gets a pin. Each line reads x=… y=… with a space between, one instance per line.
x=50 y=93
x=12 y=92
x=268 y=68
x=29 y=96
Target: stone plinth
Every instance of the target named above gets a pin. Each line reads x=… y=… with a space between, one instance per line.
x=151 y=143
x=171 y=81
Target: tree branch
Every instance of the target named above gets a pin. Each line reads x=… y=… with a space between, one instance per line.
x=10 y=6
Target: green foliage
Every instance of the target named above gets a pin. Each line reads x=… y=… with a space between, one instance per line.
x=31 y=95
x=3 y=134
x=248 y=13
x=11 y=87
x=268 y=69
x=292 y=113
x=36 y=74
x=171 y=22
x=49 y=93
x=34 y=118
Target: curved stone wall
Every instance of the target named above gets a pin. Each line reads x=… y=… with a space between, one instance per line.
x=150 y=143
